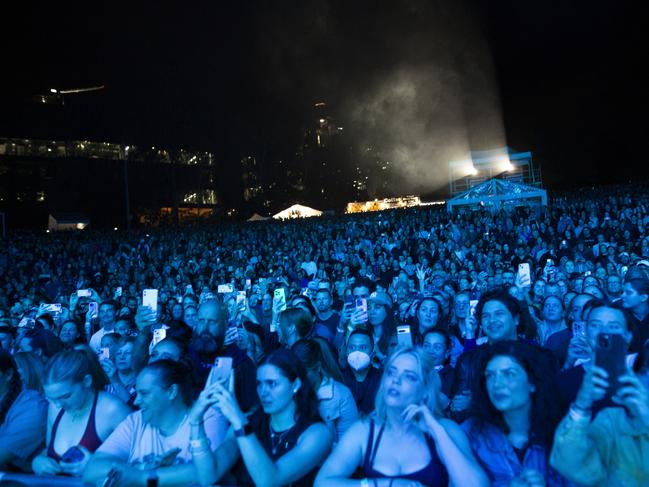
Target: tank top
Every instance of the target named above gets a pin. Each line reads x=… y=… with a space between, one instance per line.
x=432 y=475
x=90 y=439
x=276 y=445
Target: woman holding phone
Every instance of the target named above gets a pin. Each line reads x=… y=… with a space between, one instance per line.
x=152 y=442
x=81 y=414
x=282 y=443
x=608 y=447
x=405 y=442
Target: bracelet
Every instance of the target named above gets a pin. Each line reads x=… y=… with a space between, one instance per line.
x=245 y=430
x=578 y=414
x=197 y=423
x=198 y=453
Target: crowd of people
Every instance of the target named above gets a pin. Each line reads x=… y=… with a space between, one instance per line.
x=399 y=348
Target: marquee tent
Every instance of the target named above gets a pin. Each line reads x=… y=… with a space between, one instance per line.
x=257 y=218
x=67 y=221
x=497 y=193
x=297 y=211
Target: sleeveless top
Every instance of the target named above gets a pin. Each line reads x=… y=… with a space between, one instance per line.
x=432 y=475
x=89 y=440
x=276 y=445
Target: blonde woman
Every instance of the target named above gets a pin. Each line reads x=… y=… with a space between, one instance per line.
x=405 y=442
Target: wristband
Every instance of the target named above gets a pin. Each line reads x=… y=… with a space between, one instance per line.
x=578 y=414
x=199 y=444
x=245 y=430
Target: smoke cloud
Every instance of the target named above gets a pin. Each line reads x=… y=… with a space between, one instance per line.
x=412 y=80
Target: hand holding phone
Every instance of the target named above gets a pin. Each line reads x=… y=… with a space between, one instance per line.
x=72 y=455
x=578 y=329
x=104 y=353
x=279 y=300
x=610 y=355
x=93 y=309
x=150 y=299
x=525 y=277
x=242 y=302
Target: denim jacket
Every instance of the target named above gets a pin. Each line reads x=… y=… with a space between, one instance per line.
x=497 y=457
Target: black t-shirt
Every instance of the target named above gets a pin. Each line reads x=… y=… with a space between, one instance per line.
x=331 y=323
x=364 y=393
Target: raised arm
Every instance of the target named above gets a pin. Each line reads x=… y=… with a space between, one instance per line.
x=309 y=452
x=452 y=447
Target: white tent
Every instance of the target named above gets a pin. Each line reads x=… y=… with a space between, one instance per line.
x=67 y=221
x=257 y=218
x=297 y=211
x=497 y=193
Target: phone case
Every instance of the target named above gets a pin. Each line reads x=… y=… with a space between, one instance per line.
x=610 y=355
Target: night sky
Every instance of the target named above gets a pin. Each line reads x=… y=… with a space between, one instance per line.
x=430 y=79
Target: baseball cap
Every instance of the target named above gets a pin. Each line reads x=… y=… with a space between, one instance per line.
x=381 y=297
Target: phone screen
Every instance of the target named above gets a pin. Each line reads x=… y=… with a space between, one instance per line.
x=279 y=298
x=150 y=299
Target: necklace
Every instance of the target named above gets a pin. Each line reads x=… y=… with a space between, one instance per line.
x=276 y=438
x=81 y=412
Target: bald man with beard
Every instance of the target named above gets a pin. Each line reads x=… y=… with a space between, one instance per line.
x=208 y=343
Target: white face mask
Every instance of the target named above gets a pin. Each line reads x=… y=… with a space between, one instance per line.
x=358 y=360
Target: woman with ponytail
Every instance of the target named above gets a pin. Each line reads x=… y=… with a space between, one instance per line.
x=23 y=418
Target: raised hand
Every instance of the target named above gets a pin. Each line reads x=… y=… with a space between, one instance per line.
x=422 y=273
x=593 y=388
x=633 y=394
x=206 y=399
x=144 y=317
x=227 y=403
x=420 y=415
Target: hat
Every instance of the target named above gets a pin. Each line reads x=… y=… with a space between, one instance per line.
x=381 y=297
x=623 y=254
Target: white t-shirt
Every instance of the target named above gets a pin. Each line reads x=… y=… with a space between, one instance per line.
x=95 y=340
x=133 y=439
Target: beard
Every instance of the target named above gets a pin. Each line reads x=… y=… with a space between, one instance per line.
x=207 y=346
